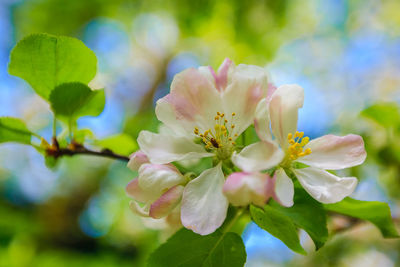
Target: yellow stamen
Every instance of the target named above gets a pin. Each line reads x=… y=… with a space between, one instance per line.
x=219 y=138
x=297 y=143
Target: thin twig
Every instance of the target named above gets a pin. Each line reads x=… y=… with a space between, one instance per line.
x=77 y=149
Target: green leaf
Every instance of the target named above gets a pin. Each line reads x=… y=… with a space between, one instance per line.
x=279 y=225
x=73 y=100
x=82 y=135
x=385 y=114
x=119 y=143
x=14 y=130
x=45 y=61
x=376 y=212
x=186 y=248
x=308 y=214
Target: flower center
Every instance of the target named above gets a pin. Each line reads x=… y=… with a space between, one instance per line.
x=220 y=139
x=297 y=143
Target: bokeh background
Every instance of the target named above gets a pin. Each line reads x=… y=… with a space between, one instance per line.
x=346 y=54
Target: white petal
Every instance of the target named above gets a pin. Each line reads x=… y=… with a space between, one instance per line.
x=248 y=86
x=194 y=101
x=167 y=115
x=261 y=121
x=166 y=203
x=324 y=186
x=223 y=76
x=204 y=206
x=258 y=156
x=162 y=148
x=157 y=178
x=137 y=209
x=134 y=191
x=283 y=110
x=136 y=160
x=244 y=188
x=284 y=189
x=333 y=152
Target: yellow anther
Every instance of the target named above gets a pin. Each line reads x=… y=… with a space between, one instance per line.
x=233 y=114
x=297 y=143
x=305 y=141
x=218 y=136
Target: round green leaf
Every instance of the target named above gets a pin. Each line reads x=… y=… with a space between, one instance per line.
x=376 y=212
x=73 y=100
x=14 y=130
x=45 y=61
x=279 y=225
x=187 y=249
x=308 y=214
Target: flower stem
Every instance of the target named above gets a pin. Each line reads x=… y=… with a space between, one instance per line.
x=237 y=216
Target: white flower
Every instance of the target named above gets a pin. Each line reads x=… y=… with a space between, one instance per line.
x=205 y=111
x=328 y=152
x=158 y=187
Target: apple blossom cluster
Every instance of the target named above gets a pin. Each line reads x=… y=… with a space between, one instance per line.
x=203 y=116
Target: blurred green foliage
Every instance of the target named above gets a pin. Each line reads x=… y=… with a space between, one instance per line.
x=53 y=232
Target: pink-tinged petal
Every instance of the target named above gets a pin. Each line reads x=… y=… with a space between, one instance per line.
x=139 y=210
x=261 y=121
x=324 y=186
x=166 y=203
x=258 y=156
x=164 y=148
x=193 y=100
x=271 y=90
x=246 y=88
x=136 y=160
x=221 y=78
x=204 y=205
x=166 y=113
x=134 y=191
x=243 y=188
x=284 y=188
x=157 y=178
x=333 y=152
x=283 y=110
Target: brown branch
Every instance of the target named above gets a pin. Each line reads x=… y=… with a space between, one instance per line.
x=77 y=149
